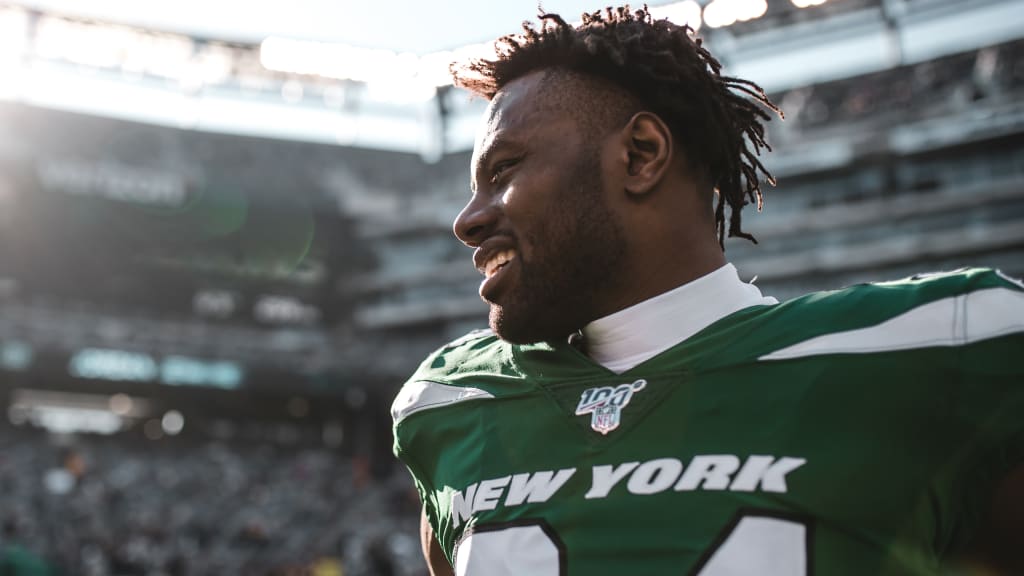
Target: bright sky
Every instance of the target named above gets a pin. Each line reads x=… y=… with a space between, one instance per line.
x=402 y=25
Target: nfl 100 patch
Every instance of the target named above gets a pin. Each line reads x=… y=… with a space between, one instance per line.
x=605 y=404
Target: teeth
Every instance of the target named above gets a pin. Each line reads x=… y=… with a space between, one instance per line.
x=497 y=261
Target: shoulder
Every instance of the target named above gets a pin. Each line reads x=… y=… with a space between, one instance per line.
x=478 y=352
x=456 y=372
x=905 y=293
x=933 y=285
x=879 y=301
x=924 y=310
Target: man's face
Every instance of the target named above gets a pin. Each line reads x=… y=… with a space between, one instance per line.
x=547 y=241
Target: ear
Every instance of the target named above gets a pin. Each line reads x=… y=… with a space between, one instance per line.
x=648 y=145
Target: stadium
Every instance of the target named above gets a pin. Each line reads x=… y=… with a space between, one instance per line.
x=224 y=248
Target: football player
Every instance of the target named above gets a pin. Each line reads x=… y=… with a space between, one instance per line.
x=638 y=409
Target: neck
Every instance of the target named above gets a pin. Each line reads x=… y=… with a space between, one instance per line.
x=664 y=266
x=670 y=269
x=622 y=340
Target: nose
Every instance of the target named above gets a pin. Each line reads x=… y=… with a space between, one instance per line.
x=476 y=221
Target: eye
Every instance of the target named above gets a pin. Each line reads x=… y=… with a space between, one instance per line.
x=501 y=167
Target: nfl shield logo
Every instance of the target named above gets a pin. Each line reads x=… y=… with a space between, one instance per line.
x=605 y=419
x=605 y=404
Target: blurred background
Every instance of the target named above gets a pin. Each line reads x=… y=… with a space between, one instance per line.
x=225 y=243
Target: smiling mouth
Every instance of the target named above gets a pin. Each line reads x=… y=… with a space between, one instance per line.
x=497 y=262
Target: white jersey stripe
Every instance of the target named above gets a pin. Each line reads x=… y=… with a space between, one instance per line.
x=951 y=321
x=424 y=395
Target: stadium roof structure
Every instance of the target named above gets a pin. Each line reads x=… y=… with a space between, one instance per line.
x=400 y=25
x=374 y=76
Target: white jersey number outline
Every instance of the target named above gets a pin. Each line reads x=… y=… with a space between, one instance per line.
x=757 y=543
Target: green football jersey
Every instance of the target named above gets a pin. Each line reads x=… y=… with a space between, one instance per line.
x=851 y=432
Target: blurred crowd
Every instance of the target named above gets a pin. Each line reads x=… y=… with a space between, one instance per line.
x=118 y=506
x=902 y=94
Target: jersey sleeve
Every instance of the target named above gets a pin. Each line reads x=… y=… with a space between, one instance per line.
x=990 y=399
x=422 y=425
x=989 y=324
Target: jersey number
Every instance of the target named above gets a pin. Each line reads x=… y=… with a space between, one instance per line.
x=751 y=545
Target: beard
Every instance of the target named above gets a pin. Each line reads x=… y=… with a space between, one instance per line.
x=574 y=262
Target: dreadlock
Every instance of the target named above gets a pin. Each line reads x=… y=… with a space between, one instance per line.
x=670 y=73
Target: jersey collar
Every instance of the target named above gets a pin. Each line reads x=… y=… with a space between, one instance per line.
x=630 y=336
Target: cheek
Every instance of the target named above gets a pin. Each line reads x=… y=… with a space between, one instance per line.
x=510 y=198
x=522 y=204
x=529 y=196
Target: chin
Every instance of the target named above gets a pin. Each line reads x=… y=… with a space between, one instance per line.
x=527 y=328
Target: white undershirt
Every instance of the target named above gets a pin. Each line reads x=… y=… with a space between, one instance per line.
x=626 y=338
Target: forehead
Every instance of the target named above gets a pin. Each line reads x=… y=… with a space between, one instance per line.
x=523 y=106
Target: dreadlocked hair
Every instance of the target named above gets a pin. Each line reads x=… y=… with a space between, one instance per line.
x=670 y=73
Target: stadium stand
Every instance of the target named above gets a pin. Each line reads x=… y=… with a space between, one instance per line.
x=117 y=506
